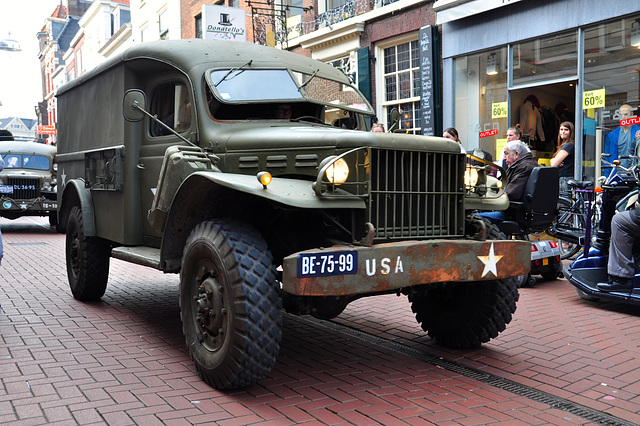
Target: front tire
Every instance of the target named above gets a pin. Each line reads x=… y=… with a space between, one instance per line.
x=87 y=260
x=229 y=304
x=465 y=315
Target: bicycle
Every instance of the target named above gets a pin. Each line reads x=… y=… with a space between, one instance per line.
x=573 y=214
x=569 y=226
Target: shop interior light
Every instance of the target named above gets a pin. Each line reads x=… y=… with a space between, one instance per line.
x=635 y=33
x=492 y=64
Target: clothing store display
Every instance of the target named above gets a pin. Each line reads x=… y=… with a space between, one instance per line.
x=620 y=142
x=531 y=121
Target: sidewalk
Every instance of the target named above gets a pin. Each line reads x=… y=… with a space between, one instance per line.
x=123 y=360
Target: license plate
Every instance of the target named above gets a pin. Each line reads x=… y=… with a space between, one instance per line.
x=545 y=261
x=325 y=264
x=6 y=189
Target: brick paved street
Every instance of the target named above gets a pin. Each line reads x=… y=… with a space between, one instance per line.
x=123 y=360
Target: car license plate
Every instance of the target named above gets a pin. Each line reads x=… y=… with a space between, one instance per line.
x=545 y=261
x=6 y=189
x=325 y=264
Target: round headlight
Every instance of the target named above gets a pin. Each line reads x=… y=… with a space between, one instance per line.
x=338 y=172
x=470 y=177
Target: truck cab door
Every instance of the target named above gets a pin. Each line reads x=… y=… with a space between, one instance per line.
x=171 y=102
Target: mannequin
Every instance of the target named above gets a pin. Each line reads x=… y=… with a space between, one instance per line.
x=623 y=140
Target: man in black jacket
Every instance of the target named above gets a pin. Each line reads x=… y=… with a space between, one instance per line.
x=625 y=229
x=520 y=163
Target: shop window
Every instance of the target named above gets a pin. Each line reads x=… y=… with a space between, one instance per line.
x=612 y=68
x=547 y=58
x=480 y=86
x=171 y=103
x=401 y=76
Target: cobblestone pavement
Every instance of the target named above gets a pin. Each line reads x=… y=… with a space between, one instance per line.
x=123 y=360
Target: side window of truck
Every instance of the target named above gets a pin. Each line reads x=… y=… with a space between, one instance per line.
x=171 y=103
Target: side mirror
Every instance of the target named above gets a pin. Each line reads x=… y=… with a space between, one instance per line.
x=133 y=105
x=395 y=120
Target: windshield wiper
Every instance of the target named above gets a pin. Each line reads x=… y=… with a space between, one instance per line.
x=309 y=79
x=232 y=70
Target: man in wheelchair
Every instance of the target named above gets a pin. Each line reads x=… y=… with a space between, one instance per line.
x=533 y=197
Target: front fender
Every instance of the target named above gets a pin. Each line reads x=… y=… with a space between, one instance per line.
x=290 y=192
x=208 y=195
x=76 y=193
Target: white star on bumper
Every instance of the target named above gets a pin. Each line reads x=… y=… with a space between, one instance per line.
x=490 y=262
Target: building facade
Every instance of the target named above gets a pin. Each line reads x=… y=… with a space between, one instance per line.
x=375 y=42
x=22 y=129
x=539 y=64
x=78 y=35
x=155 y=20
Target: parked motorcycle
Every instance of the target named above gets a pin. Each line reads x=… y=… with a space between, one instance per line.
x=590 y=268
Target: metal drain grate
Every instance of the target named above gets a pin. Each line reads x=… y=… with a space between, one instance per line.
x=28 y=244
x=552 y=401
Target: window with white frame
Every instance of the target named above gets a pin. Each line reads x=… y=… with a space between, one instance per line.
x=145 y=34
x=163 y=24
x=400 y=85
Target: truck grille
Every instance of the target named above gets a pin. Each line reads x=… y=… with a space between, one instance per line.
x=25 y=188
x=416 y=194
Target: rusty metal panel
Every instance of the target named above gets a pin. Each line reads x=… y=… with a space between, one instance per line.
x=392 y=266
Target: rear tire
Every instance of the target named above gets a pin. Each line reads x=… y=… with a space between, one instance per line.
x=87 y=260
x=465 y=315
x=229 y=304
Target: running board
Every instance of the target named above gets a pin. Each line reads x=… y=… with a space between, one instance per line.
x=141 y=255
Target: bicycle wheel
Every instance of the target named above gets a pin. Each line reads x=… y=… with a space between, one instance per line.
x=570 y=219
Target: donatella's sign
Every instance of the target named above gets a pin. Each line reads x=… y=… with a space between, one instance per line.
x=223 y=23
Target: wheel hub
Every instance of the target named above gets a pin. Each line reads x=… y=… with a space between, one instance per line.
x=210 y=311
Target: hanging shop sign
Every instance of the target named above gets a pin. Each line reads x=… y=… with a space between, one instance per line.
x=429 y=81
x=46 y=130
x=223 y=23
x=499 y=110
x=593 y=99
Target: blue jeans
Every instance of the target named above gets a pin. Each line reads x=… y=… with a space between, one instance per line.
x=493 y=217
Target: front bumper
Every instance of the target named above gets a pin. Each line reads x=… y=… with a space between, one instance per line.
x=392 y=266
x=31 y=206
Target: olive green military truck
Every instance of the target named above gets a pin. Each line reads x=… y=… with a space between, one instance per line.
x=249 y=171
x=28 y=181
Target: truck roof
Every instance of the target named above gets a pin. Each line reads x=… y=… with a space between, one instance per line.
x=16 y=147
x=188 y=53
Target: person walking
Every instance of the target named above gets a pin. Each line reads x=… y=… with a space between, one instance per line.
x=563 y=157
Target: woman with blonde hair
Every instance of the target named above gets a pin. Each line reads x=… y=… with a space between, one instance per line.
x=563 y=157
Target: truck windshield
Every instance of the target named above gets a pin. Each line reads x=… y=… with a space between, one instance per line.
x=25 y=161
x=244 y=85
x=254 y=85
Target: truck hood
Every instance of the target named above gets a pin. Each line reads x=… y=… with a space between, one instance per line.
x=301 y=137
